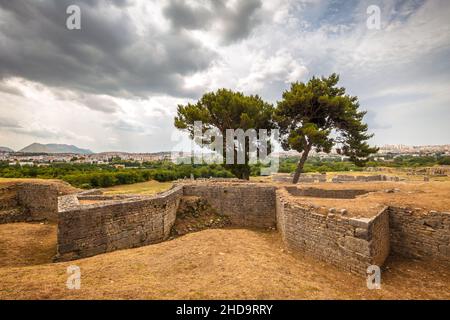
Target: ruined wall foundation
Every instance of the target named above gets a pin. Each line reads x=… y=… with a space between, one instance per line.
x=91 y=223
x=420 y=235
x=28 y=202
x=87 y=230
x=350 y=243
x=247 y=205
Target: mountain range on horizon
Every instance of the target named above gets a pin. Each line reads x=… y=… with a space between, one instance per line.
x=6 y=149
x=54 y=148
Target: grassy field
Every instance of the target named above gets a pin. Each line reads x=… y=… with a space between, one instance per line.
x=211 y=264
x=148 y=188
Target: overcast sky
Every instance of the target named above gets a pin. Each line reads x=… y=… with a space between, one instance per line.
x=115 y=84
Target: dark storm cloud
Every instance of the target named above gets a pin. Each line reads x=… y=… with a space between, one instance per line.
x=235 y=23
x=107 y=56
x=239 y=23
x=182 y=15
x=101 y=104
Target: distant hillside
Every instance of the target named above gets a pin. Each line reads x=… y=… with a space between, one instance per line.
x=54 y=148
x=5 y=149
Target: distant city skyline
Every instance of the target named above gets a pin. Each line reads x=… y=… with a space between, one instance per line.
x=383 y=148
x=116 y=83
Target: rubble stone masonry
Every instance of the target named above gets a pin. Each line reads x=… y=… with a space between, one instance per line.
x=418 y=235
x=40 y=200
x=121 y=222
x=87 y=230
x=28 y=202
x=350 y=243
x=246 y=204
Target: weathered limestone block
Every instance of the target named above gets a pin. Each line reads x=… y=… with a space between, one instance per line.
x=362 y=233
x=360 y=222
x=355 y=245
x=433 y=223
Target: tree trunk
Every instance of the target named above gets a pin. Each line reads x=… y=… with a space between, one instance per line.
x=300 y=165
x=240 y=171
x=245 y=173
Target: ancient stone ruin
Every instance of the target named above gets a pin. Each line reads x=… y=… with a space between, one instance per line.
x=28 y=201
x=304 y=178
x=322 y=177
x=91 y=223
x=372 y=178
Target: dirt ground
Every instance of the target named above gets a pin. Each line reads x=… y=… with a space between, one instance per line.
x=210 y=264
x=24 y=244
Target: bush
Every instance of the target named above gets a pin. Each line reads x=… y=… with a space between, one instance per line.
x=444 y=161
x=99 y=176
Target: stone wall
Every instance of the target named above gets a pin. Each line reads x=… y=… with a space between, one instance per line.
x=418 y=235
x=28 y=201
x=437 y=171
x=349 y=243
x=8 y=197
x=103 y=197
x=87 y=230
x=379 y=229
x=91 y=223
x=67 y=202
x=350 y=178
x=304 y=178
x=246 y=204
x=119 y=222
x=10 y=211
x=318 y=177
x=40 y=200
x=322 y=193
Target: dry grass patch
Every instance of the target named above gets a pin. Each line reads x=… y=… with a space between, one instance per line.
x=24 y=244
x=216 y=264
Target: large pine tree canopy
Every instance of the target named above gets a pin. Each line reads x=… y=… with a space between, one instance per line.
x=320 y=115
x=316 y=115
